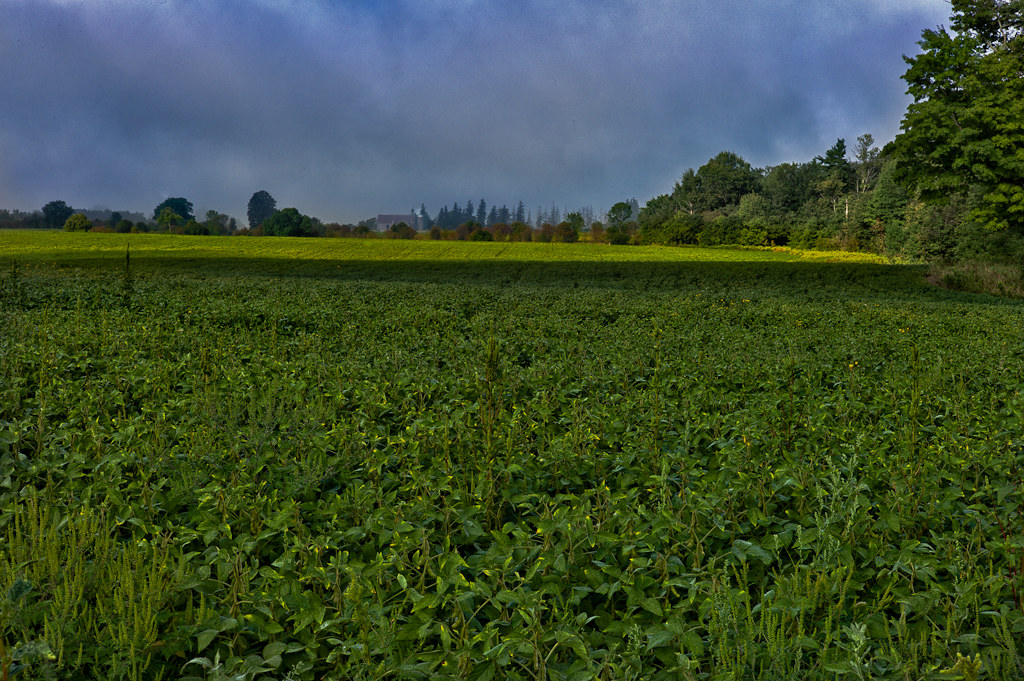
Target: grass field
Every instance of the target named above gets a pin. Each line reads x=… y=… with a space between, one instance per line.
x=276 y=458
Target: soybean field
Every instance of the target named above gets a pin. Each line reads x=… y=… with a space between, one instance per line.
x=273 y=458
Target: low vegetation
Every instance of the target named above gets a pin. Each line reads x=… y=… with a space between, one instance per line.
x=306 y=459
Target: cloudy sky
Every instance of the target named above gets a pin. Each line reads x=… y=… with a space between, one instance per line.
x=348 y=108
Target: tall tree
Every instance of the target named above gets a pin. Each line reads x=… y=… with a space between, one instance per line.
x=963 y=131
x=868 y=162
x=261 y=206
x=838 y=171
x=481 y=212
x=56 y=213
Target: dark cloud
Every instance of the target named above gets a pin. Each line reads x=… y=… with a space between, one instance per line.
x=346 y=109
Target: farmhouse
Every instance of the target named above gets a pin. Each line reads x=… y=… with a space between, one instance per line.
x=386 y=222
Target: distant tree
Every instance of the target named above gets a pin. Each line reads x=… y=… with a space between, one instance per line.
x=115 y=218
x=481 y=212
x=788 y=186
x=568 y=231
x=831 y=190
x=216 y=223
x=502 y=231
x=401 y=230
x=722 y=181
x=521 y=232
x=194 y=228
x=181 y=207
x=619 y=214
x=77 y=223
x=887 y=204
x=261 y=206
x=868 y=162
x=435 y=233
x=425 y=221
x=520 y=214
x=123 y=226
x=56 y=214
x=544 y=233
x=838 y=171
x=480 y=234
x=564 y=233
x=288 y=222
x=167 y=218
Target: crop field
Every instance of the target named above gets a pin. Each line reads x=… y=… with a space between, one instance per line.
x=270 y=458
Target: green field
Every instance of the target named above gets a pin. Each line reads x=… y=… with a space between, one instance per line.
x=273 y=458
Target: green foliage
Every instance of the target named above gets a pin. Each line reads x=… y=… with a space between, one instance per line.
x=719 y=183
x=179 y=206
x=325 y=458
x=56 y=213
x=78 y=223
x=964 y=128
x=288 y=222
x=261 y=206
x=401 y=230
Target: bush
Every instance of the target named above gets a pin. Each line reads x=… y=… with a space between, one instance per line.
x=78 y=223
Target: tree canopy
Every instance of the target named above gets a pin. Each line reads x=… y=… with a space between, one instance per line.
x=56 y=213
x=78 y=223
x=181 y=207
x=288 y=222
x=964 y=131
x=261 y=206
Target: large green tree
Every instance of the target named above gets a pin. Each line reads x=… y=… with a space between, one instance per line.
x=964 y=131
x=288 y=222
x=718 y=183
x=261 y=206
x=182 y=208
x=56 y=213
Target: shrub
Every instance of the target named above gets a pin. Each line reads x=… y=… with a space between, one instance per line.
x=78 y=223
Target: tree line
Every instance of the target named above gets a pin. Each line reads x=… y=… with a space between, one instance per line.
x=950 y=186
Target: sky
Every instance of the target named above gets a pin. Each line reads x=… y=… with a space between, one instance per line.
x=349 y=108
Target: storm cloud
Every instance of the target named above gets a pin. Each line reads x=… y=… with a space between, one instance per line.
x=347 y=109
